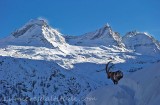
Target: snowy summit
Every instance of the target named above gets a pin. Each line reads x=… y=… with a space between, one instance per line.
x=36 y=33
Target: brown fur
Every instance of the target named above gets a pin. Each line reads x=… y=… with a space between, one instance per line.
x=114 y=76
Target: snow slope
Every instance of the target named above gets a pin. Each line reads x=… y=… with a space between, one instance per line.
x=138 y=88
x=141 y=42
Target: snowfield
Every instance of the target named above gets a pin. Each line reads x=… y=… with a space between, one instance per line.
x=138 y=88
x=38 y=63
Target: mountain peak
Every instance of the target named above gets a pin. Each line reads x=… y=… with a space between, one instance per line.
x=103 y=36
x=107 y=26
x=141 y=42
x=103 y=32
x=40 y=22
x=32 y=23
x=135 y=33
x=37 y=33
x=131 y=33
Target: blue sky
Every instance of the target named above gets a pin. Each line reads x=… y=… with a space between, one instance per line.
x=76 y=17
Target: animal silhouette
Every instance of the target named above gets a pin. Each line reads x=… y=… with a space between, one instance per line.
x=114 y=76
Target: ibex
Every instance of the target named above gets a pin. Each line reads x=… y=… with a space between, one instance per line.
x=115 y=76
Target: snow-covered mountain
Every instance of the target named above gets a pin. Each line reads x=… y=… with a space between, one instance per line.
x=42 y=66
x=141 y=42
x=35 y=33
x=103 y=36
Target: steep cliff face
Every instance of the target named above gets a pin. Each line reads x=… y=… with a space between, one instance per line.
x=141 y=42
